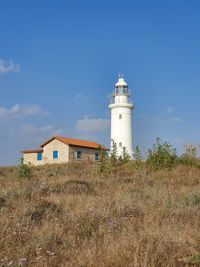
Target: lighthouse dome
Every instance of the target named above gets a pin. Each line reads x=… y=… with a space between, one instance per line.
x=121 y=83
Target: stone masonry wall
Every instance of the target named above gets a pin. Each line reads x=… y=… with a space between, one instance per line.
x=86 y=153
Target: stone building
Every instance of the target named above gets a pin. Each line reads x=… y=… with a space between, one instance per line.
x=60 y=149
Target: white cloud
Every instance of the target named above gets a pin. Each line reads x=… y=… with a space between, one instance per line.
x=16 y=137
x=47 y=130
x=8 y=66
x=176 y=119
x=23 y=127
x=170 y=117
x=19 y=111
x=92 y=125
x=170 y=110
x=80 y=98
x=155 y=119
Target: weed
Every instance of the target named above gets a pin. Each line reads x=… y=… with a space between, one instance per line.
x=87 y=225
x=192 y=199
x=75 y=217
x=74 y=187
x=23 y=171
x=195 y=259
x=161 y=156
x=114 y=154
x=125 y=157
x=2 y=202
x=190 y=155
x=44 y=207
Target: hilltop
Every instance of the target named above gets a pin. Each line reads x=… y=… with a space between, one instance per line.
x=71 y=215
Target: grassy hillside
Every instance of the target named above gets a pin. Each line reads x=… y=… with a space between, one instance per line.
x=73 y=216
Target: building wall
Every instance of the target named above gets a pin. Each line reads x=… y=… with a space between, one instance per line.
x=47 y=155
x=31 y=158
x=56 y=145
x=86 y=153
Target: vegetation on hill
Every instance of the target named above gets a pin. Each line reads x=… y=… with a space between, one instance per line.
x=115 y=213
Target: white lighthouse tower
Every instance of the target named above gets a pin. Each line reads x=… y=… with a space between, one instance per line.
x=121 y=117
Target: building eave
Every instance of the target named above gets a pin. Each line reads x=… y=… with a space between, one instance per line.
x=74 y=142
x=32 y=151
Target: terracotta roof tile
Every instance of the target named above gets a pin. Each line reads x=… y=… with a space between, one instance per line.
x=74 y=142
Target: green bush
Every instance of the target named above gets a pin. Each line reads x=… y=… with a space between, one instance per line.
x=125 y=157
x=138 y=157
x=190 y=155
x=103 y=160
x=23 y=171
x=192 y=199
x=161 y=156
x=114 y=154
x=191 y=260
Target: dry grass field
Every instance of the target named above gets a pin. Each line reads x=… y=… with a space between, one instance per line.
x=73 y=216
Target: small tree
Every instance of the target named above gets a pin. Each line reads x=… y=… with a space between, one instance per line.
x=190 y=155
x=23 y=170
x=162 y=155
x=113 y=155
x=138 y=156
x=125 y=157
x=103 y=159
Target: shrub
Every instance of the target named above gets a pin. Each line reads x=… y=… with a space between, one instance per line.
x=113 y=155
x=23 y=170
x=137 y=154
x=45 y=207
x=74 y=187
x=2 y=202
x=125 y=157
x=161 y=156
x=193 y=199
x=87 y=225
x=195 y=259
x=190 y=155
x=54 y=171
x=137 y=157
x=103 y=160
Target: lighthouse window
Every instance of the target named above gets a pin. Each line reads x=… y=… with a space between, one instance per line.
x=120 y=116
x=120 y=144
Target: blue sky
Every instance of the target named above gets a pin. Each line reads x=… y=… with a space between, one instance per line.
x=60 y=59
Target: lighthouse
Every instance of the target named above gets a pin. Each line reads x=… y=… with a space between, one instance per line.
x=121 y=117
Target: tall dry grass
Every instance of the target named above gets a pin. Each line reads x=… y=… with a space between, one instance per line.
x=73 y=216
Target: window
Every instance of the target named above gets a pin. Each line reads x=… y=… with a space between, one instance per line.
x=78 y=155
x=39 y=156
x=120 y=116
x=96 y=156
x=120 y=91
x=120 y=144
x=55 y=154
